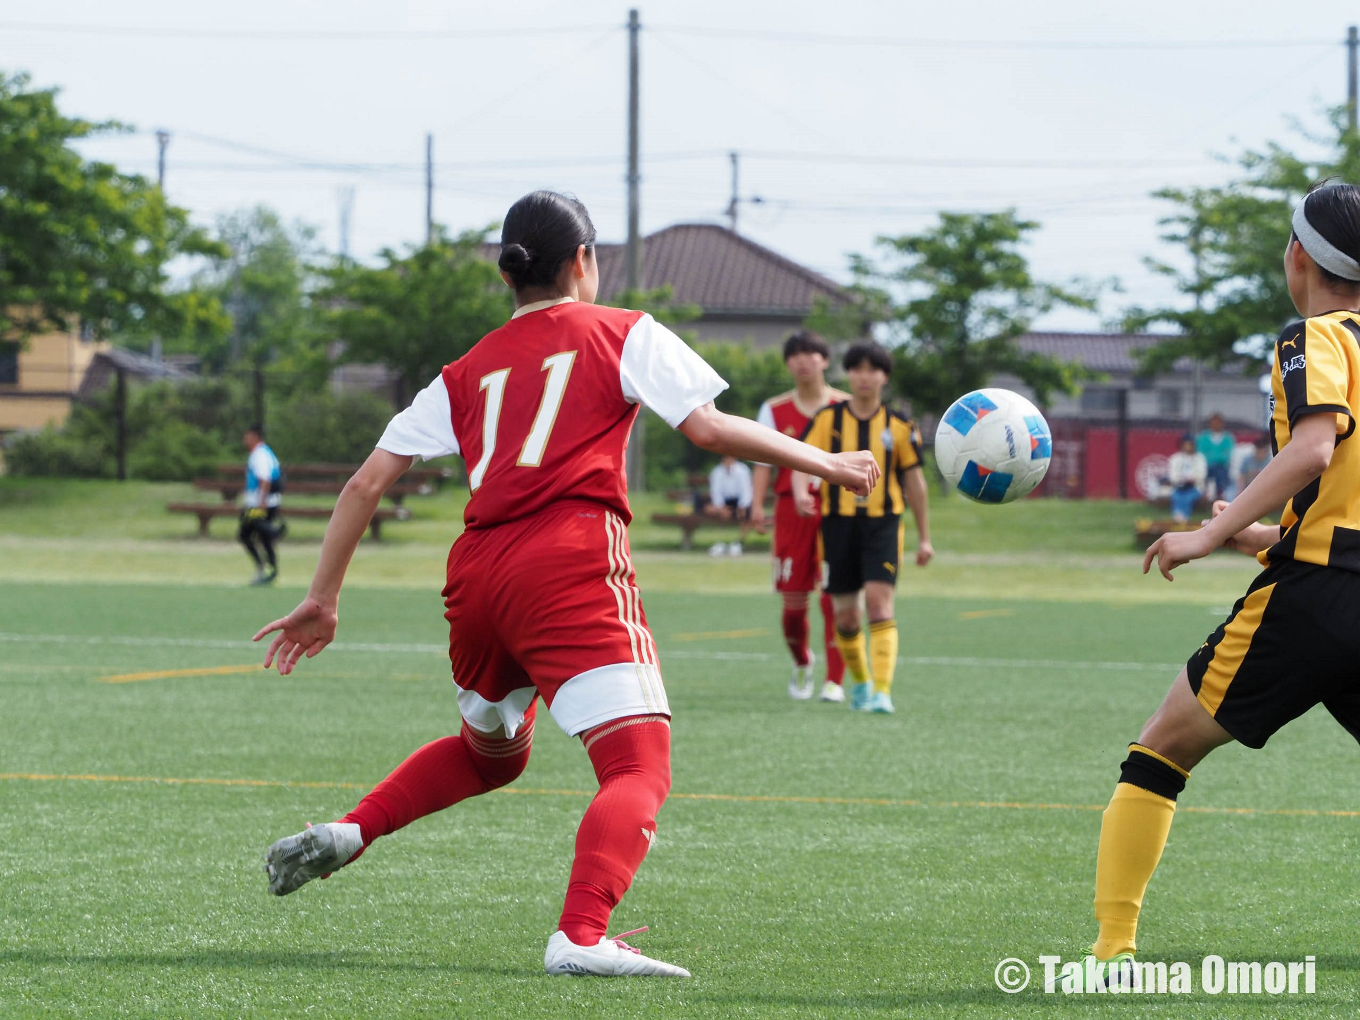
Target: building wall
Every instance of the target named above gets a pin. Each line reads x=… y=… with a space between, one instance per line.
x=1166 y=398
x=51 y=367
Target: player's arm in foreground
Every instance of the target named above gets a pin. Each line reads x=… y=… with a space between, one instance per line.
x=311 y=626
x=914 y=492
x=712 y=430
x=1303 y=460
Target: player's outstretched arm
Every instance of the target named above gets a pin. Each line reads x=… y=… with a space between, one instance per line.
x=1297 y=465
x=711 y=429
x=311 y=626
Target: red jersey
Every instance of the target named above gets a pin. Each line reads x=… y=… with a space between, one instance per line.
x=541 y=408
x=781 y=414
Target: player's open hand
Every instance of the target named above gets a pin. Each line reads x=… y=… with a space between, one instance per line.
x=308 y=628
x=1175 y=549
x=857 y=471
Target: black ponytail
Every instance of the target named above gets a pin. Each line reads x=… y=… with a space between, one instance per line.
x=1333 y=210
x=542 y=231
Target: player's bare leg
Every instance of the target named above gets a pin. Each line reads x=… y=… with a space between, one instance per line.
x=437 y=776
x=1138 y=820
x=632 y=762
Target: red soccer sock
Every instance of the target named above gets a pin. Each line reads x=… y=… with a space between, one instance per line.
x=439 y=775
x=835 y=662
x=632 y=759
x=795 y=624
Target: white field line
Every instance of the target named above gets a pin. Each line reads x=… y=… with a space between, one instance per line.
x=414 y=648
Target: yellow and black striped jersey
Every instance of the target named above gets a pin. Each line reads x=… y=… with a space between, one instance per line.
x=895 y=443
x=1317 y=371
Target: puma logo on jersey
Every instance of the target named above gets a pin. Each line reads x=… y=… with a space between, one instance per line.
x=1291 y=342
x=890 y=567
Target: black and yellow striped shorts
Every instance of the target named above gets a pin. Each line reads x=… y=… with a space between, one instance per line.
x=1291 y=642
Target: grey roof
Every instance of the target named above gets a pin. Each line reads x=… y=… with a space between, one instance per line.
x=107 y=364
x=1103 y=352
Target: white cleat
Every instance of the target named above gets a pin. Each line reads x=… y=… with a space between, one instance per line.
x=314 y=852
x=800 y=680
x=609 y=958
x=832 y=692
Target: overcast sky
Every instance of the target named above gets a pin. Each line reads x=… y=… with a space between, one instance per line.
x=854 y=119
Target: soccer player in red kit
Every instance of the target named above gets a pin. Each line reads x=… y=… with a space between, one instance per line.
x=797 y=555
x=541 y=597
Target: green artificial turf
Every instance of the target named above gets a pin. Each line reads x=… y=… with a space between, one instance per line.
x=810 y=863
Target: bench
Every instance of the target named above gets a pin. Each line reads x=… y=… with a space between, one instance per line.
x=433 y=476
x=1146 y=531
x=207 y=511
x=231 y=488
x=689 y=523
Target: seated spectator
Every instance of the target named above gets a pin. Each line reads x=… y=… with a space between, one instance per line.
x=729 y=498
x=1216 y=445
x=1255 y=464
x=1186 y=473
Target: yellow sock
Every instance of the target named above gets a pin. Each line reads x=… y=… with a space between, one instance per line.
x=1133 y=833
x=883 y=649
x=855 y=654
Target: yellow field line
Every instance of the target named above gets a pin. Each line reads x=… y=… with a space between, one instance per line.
x=983 y=614
x=727 y=797
x=706 y=635
x=167 y=674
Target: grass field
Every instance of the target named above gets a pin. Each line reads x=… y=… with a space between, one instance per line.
x=811 y=862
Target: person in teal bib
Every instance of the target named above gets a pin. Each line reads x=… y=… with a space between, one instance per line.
x=260 y=523
x=1217 y=444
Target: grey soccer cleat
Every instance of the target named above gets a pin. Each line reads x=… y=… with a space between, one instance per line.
x=314 y=852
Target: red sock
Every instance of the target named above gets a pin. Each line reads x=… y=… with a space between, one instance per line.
x=632 y=759
x=796 y=634
x=439 y=775
x=835 y=663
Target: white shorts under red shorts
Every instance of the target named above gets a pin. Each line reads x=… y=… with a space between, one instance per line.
x=548 y=606
x=797 y=548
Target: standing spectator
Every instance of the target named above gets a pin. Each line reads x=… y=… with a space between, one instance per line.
x=729 y=497
x=260 y=516
x=1187 y=472
x=1255 y=464
x=1216 y=445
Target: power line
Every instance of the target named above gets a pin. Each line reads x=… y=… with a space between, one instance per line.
x=820 y=38
x=301 y=35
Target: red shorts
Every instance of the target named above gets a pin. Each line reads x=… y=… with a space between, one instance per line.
x=549 y=605
x=797 y=548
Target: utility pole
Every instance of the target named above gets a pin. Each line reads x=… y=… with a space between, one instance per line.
x=732 y=205
x=633 y=253
x=163 y=142
x=346 y=208
x=1197 y=369
x=429 y=188
x=1352 y=46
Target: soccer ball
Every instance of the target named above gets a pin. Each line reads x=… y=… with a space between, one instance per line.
x=993 y=445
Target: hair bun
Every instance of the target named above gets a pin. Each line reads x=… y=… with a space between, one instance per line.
x=514 y=258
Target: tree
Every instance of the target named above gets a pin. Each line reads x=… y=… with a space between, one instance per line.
x=264 y=277
x=416 y=313
x=79 y=240
x=951 y=301
x=1234 y=236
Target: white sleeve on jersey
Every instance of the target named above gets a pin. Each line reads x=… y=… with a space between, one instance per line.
x=425 y=429
x=765 y=415
x=658 y=370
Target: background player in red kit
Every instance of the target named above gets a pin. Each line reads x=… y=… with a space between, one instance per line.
x=541 y=596
x=797 y=552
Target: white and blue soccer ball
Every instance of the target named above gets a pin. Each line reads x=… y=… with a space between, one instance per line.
x=993 y=445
